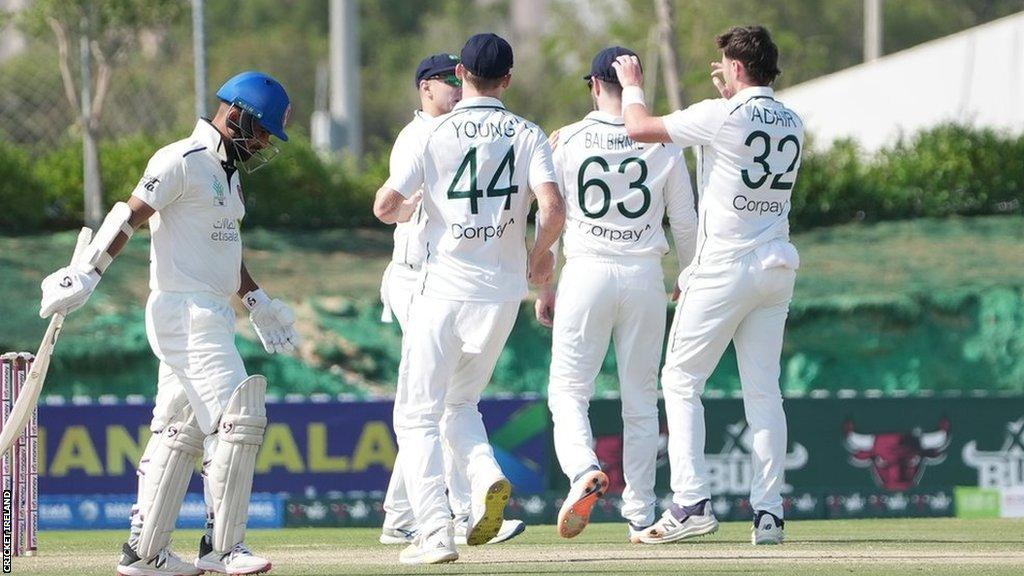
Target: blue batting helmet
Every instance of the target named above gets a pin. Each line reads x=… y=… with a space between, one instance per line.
x=262 y=96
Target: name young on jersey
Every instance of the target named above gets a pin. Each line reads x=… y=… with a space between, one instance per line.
x=495 y=129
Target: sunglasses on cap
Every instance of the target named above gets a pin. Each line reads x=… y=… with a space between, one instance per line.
x=449 y=79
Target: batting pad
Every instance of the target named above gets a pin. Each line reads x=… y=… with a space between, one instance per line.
x=166 y=479
x=229 y=474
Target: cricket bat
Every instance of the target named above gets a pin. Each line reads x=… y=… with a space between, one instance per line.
x=29 y=397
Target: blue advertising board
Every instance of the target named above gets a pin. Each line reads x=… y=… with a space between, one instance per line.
x=309 y=447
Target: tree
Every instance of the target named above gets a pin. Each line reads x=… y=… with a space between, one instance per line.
x=104 y=31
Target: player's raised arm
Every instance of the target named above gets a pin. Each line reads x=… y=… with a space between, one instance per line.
x=641 y=125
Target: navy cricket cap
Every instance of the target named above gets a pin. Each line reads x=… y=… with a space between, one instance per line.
x=437 y=65
x=487 y=56
x=601 y=67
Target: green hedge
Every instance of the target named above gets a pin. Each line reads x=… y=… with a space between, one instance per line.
x=296 y=190
x=950 y=170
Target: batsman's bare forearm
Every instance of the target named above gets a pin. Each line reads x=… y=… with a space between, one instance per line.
x=247 y=284
x=550 y=216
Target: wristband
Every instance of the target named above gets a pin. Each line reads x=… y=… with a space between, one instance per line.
x=255 y=298
x=632 y=95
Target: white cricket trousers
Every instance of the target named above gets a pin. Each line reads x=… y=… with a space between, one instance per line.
x=601 y=300
x=746 y=302
x=397 y=291
x=451 y=349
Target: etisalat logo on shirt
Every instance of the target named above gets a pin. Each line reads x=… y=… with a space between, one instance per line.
x=226 y=230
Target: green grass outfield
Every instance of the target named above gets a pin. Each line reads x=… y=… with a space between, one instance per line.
x=920 y=546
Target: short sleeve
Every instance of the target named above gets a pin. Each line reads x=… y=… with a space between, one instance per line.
x=542 y=167
x=697 y=125
x=163 y=182
x=406 y=163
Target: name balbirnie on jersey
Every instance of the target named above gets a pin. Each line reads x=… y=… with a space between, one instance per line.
x=609 y=141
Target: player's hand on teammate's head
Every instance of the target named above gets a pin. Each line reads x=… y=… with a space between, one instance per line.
x=628 y=70
x=542 y=267
x=718 y=79
x=409 y=206
x=544 y=307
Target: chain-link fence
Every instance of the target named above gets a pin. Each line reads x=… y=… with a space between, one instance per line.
x=39 y=106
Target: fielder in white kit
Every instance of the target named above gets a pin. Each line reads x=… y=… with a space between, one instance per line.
x=479 y=167
x=206 y=403
x=740 y=283
x=439 y=90
x=617 y=192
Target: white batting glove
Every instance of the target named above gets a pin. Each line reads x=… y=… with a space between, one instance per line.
x=273 y=321
x=67 y=289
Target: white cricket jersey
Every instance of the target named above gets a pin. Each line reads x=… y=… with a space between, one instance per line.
x=748 y=158
x=409 y=235
x=196 y=243
x=477 y=166
x=617 y=192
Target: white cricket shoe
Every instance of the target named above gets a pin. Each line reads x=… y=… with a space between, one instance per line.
x=574 y=515
x=437 y=547
x=239 y=562
x=488 y=512
x=768 y=529
x=398 y=536
x=509 y=530
x=682 y=522
x=165 y=563
x=635 y=532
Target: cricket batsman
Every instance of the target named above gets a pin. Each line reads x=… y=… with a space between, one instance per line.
x=612 y=288
x=439 y=90
x=191 y=195
x=480 y=167
x=740 y=283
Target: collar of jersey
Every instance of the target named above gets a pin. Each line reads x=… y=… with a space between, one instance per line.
x=605 y=118
x=208 y=135
x=479 y=102
x=751 y=92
